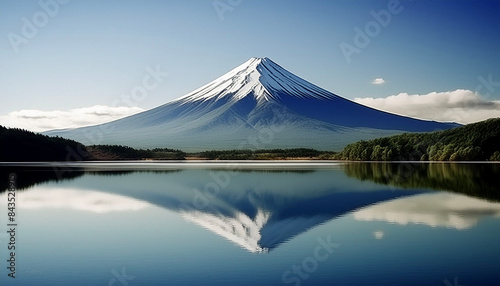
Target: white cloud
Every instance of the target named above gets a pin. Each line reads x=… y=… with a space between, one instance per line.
x=436 y=210
x=378 y=81
x=461 y=105
x=38 y=120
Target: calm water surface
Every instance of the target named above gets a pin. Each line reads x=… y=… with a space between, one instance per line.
x=234 y=224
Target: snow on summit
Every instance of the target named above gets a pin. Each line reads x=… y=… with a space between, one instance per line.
x=260 y=77
x=257 y=105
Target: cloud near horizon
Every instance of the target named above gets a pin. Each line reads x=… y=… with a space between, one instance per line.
x=461 y=106
x=38 y=120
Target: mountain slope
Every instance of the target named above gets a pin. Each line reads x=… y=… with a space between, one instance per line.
x=256 y=105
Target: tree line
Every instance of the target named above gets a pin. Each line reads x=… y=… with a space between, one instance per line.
x=22 y=145
x=473 y=142
x=119 y=152
x=263 y=154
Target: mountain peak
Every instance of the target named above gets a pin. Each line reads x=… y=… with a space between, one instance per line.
x=260 y=58
x=261 y=78
x=255 y=62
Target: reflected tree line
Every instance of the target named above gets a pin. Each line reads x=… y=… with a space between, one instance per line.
x=27 y=177
x=477 y=180
x=472 y=179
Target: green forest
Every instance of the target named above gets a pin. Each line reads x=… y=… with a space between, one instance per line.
x=473 y=142
x=18 y=145
x=118 y=152
x=264 y=154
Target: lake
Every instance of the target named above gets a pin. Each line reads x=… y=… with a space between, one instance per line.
x=251 y=223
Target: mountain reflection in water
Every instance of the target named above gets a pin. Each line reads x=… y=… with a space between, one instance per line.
x=260 y=210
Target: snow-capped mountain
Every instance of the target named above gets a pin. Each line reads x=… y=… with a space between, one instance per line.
x=257 y=105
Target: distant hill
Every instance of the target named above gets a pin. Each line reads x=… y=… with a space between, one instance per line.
x=18 y=145
x=478 y=141
x=118 y=152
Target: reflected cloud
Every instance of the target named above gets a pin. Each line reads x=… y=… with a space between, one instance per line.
x=378 y=234
x=83 y=200
x=435 y=210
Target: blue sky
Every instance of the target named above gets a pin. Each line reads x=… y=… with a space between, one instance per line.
x=89 y=53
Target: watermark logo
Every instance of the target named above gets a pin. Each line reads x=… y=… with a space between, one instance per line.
x=310 y=264
x=12 y=226
x=31 y=27
x=151 y=80
x=455 y=282
x=122 y=278
x=139 y=93
x=484 y=84
x=223 y=6
x=221 y=179
x=372 y=29
x=488 y=83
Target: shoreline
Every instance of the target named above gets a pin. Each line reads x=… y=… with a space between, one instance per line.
x=207 y=162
